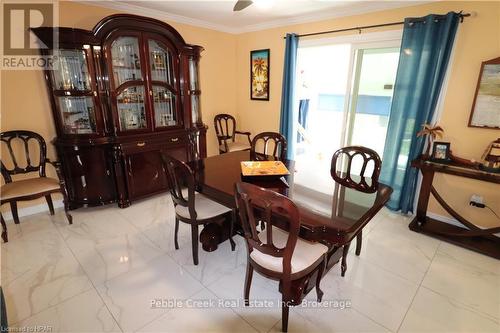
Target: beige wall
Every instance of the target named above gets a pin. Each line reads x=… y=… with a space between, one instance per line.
x=478 y=40
x=225 y=83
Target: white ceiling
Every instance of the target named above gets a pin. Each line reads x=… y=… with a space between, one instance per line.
x=219 y=15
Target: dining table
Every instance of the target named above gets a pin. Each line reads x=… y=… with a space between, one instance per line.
x=330 y=213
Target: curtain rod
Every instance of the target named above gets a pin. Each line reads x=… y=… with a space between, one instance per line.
x=369 y=27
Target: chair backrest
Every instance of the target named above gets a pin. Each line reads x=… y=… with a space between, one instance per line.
x=35 y=153
x=225 y=126
x=180 y=178
x=256 y=204
x=345 y=159
x=268 y=144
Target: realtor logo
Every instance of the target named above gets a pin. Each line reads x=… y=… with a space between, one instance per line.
x=20 y=47
x=18 y=18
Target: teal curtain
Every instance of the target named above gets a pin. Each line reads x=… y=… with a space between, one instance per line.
x=425 y=52
x=287 y=118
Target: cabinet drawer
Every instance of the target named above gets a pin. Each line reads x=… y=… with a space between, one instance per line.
x=156 y=144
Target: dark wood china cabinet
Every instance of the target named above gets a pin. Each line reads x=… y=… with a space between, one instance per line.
x=121 y=94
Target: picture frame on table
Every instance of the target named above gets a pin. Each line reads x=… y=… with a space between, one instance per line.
x=259 y=74
x=441 y=152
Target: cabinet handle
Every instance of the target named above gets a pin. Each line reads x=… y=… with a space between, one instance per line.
x=95 y=93
x=174 y=139
x=151 y=93
x=141 y=144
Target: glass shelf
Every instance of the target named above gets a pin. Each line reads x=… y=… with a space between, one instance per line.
x=131 y=112
x=164 y=107
x=126 y=60
x=161 y=63
x=71 y=70
x=78 y=115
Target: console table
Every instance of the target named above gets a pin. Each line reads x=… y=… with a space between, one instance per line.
x=470 y=236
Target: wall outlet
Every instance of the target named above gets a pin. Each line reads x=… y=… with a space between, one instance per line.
x=476 y=198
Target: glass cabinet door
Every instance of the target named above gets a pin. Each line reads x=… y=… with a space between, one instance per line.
x=71 y=70
x=161 y=65
x=194 y=90
x=78 y=114
x=74 y=91
x=164 y=106
x=161 y=62
x=131 y=108
x=126 y=60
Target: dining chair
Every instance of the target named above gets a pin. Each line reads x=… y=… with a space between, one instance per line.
x=225 y=128
x=32 y=146
x=267 y=144
x=365 y=180
x=192 y=207
x=275 y=253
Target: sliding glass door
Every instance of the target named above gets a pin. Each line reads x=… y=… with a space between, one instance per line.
x=343 y=97
x=370 y=105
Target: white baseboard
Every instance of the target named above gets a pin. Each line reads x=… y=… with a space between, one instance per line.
x=26 y=211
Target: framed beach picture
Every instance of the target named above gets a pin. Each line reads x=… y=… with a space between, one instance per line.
x=440 y=152
x=259 y=74
x=486 y=106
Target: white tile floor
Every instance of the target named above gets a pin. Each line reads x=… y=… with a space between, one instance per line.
x=102 y=273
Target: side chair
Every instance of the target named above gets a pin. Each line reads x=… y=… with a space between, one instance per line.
x=275 y=253
x=225 y=128
x=192 y=207
x=29 y=157
x=341 y=171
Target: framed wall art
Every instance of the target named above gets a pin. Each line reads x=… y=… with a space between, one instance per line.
x=259 y=74
x=485 y=111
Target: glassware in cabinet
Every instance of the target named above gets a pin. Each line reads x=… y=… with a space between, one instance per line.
x=77 y=114
x=70 y=70
x=161 y=63
x=131 y=109
x=164 y=107
x=126 y=60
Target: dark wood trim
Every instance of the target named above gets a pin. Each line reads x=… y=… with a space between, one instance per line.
x=470 y=236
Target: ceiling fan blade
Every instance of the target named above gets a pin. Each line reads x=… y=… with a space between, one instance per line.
x=241 y=4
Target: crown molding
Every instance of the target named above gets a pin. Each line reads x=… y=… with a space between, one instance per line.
x=357 y=9
x=159 y=15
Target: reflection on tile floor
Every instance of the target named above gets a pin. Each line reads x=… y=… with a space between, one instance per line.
x=104 y=272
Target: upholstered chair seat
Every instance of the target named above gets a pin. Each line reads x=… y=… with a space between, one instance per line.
x=205 y=208
x=305 y=254
x=234 y=146
x=28 y=187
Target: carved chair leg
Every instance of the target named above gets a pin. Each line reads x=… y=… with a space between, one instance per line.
x=343 y=265
x=284 y=316
x=321 y=270
x=48 y=198
x=194 y=240
x=248 y=283
x=176 y=244
x=359 y=240
x=4 y=230
x=13 y=208
x=231 y=229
